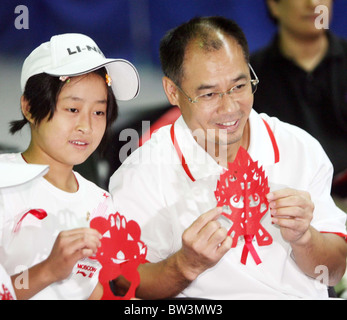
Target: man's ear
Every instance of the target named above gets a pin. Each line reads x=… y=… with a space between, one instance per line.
x=25 y=106
x=171 y=91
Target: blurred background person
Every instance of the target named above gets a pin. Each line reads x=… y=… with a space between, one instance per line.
x=303 y=78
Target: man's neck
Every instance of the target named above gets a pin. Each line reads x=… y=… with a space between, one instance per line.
x=307 y=52
x=226 y=153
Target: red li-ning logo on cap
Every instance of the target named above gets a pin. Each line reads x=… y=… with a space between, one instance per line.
x=241 y=191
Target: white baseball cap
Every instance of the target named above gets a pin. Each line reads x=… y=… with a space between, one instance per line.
x=74 y=54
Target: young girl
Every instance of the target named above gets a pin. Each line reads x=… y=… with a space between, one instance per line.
x=69 y=101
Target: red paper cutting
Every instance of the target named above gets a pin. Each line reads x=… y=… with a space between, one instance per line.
x=241 y=191
x=120 y=254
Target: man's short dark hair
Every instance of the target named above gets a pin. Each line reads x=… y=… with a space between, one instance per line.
x=174 y=43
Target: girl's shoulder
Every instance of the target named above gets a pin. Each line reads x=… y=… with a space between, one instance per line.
x=87 y=184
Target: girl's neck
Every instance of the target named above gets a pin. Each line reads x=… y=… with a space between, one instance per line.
x=61 y=176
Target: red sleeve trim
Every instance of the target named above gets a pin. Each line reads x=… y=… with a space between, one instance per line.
x=342 y=235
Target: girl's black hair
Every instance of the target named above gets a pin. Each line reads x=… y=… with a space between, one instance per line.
x=42 y=90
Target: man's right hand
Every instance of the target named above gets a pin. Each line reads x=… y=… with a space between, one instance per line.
x=204 y=243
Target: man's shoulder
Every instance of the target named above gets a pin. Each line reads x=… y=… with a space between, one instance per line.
x=154 y=151
x=145 y=170
x=291 y=138
x=281 y=127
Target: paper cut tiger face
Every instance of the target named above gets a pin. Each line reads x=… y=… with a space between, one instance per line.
x=121 y=251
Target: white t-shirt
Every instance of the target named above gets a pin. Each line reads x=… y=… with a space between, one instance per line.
x=165 y=201
x=25 y=240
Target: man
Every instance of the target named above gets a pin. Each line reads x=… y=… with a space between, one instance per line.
x=303 y=78
x=168 y=184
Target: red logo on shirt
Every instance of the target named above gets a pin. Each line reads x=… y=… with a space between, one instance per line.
x=86 y=270
x=6 y=294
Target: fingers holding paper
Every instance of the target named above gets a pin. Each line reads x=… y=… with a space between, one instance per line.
x=69 y=247
x=204 y=243
x=292 y=211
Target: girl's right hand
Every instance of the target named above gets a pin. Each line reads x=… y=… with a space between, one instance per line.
x=69 y=247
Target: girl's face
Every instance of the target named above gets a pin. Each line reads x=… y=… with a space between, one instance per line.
x=78 y=124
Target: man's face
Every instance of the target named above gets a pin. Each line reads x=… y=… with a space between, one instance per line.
x=298 y=16
x=223 y=121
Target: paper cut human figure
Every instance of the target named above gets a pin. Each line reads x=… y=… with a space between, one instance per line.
x=241 y=191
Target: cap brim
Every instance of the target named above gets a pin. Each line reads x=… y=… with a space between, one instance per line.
x=14 y=174
x=125 y=78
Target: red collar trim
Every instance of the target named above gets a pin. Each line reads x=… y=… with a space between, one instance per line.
x=274 y=143
x=183 y=160
x=179 y=153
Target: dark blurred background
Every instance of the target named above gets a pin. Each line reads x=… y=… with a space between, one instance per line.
x=129 y=29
